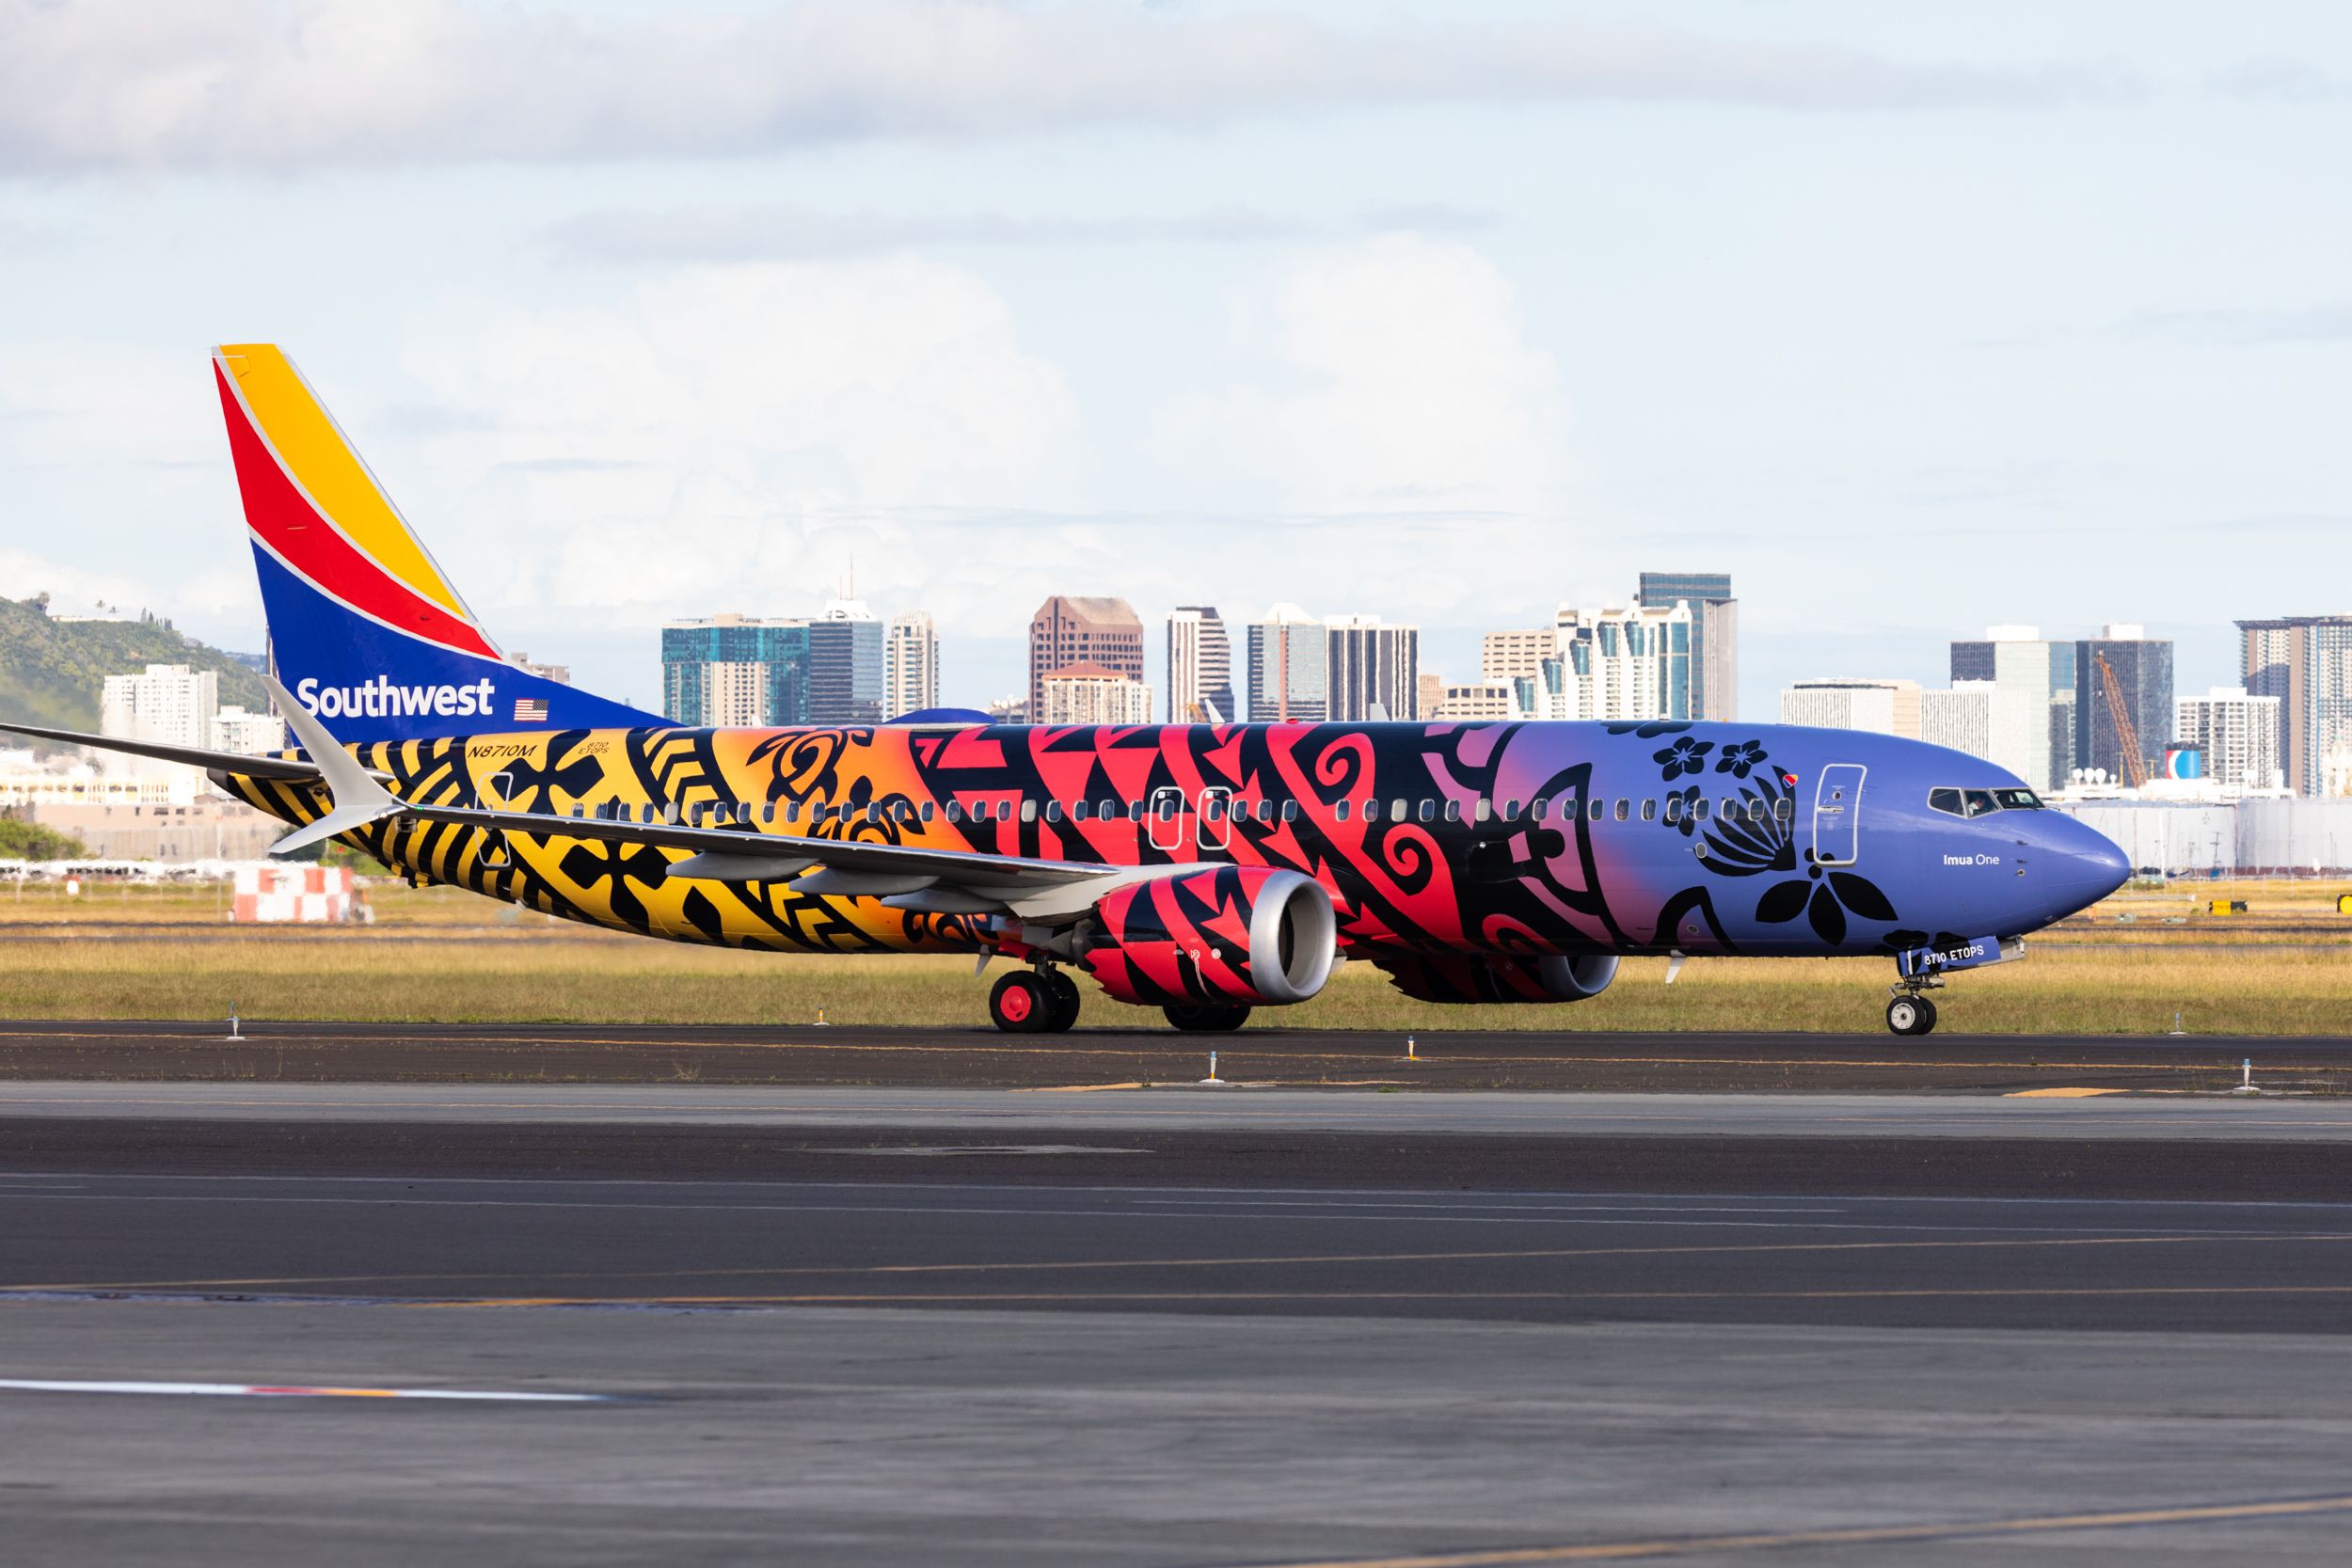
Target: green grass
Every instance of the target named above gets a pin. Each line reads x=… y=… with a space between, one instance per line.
x=164 y=952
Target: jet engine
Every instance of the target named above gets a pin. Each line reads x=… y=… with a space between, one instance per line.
x=1228 y=934
x=1556 y=977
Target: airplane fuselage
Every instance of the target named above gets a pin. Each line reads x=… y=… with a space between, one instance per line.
x=1435 y=840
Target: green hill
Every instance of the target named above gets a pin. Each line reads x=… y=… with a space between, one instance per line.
x=52 y=671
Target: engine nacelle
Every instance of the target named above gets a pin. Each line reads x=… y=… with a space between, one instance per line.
x=1557 y=977
x=1218 y=934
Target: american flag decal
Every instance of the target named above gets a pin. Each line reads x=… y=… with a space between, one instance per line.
x=531 y=710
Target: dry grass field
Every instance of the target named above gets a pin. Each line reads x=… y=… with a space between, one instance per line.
x=2284 y=967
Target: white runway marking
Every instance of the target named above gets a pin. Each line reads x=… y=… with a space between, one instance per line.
x=270 y=1391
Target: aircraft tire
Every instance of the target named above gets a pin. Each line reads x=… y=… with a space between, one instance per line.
x=1019 y=1002
x=1062 y=992
x=1911 y=1015
x=1207 y=1018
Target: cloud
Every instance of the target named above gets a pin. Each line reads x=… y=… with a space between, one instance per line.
x=2258 y=328
x=1392 y=422
x=293 y=84
x=736 y=437
x=2278 y=78
x=789 y=233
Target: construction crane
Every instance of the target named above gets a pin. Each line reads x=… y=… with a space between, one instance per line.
x=2126 y=733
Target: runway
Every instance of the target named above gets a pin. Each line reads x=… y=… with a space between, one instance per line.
x=1741 y=1061
x=1171 y=1326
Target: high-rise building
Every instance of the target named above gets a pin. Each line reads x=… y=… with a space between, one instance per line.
x=1615 y=663
x=167 y=703
x=1067 y=630
x=1368 y=666
x=1199 y=668
x=2017 y=658
x=1288 y=656
x=1090 y=694
x=1714 y=635
x=909 y=664
x=1880 y=706
x=2143 y=673
x=2238 y=734
x=2006 y=727
x=2306 y=662
x=735 y=671
x=1429 y=695
x=845 y=665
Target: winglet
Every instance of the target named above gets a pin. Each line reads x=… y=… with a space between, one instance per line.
x=354 y=798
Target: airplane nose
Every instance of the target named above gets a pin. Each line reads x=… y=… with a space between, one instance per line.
x=2085 y=864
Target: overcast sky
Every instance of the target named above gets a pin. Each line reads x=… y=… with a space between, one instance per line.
x=1911 y=318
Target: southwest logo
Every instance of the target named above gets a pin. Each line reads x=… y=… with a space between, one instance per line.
x=381 y=699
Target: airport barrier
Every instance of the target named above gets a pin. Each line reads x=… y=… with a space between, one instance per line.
x=2226 y=905
x=270 y=894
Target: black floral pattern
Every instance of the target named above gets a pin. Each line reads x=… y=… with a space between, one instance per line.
x=1686 y=755
x=1824 y=897
x=1740 y=757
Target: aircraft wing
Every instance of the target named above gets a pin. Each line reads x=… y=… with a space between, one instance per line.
x=908 y=876
x=291 y=768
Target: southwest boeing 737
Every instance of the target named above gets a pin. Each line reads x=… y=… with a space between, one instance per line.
x=1202 y=869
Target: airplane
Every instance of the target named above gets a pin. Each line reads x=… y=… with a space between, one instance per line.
x=1205 y=869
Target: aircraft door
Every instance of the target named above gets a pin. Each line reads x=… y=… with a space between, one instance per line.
x=1838 y=813
x=1164 y=819
x=1217 y=817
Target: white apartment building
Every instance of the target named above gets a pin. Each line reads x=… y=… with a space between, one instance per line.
x=247 y=733
x=1478 y=702
x=1613 y=662
x=166 y=703
x=2240 y=737
x=909 y=664
x=1987 y=720
x=1090 y=694
x=1880 y=706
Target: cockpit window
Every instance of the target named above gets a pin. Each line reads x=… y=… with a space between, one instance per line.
x=2018 y=800
x=1946 y=801
x=1979 y=802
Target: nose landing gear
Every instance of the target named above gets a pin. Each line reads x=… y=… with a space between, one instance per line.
x=1910 y=1013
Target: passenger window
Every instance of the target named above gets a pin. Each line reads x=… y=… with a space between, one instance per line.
x=1290 y=811
x=1539 y=807
x=1135 y=811
x=1485 y=809
x=1731 y=809
x=1784 y=809
x=1698 y=809
x=1649 y=811
x=1372 y=811
x=1338 y=811
x=1979 y=802
x=1078 y=810
x=1265 y=811
x=926 y=811
x=1053 y=811
x=1510 y=811
x=1595 y=809
x=1397 y=810
x=955 y=811
x=1429 y=811
x=1673 y=808
x=1625 y=811
x=768 y=812
x=1028 y=810
x=1945 y=801
x=1453 y=811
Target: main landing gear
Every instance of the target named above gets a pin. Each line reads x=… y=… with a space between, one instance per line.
x=1034 y=1002
x=1910 y=1013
